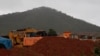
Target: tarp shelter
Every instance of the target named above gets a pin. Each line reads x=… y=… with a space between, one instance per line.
x=67 y=34
x=6 y=42
x=29 y=41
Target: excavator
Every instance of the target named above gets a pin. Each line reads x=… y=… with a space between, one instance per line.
x=26 y=36
x=17 y=36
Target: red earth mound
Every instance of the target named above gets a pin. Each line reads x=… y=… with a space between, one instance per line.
x=53 y=46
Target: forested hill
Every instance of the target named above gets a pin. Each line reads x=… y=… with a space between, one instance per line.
x=44 y=18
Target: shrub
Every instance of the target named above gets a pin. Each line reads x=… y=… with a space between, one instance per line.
x=97 y=51
x=52 y=32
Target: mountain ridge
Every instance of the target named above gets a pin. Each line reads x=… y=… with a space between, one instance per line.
x=44 y=18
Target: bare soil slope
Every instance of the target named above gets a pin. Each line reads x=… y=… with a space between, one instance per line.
x=53 y=46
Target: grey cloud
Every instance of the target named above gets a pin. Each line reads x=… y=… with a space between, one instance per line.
x=87 y=1
x=9 y=4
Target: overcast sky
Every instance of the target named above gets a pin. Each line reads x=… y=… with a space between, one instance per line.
x=88 y=10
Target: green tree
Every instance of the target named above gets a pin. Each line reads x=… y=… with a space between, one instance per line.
x=52 y=32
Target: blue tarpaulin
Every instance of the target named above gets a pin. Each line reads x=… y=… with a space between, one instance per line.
x=6 y=42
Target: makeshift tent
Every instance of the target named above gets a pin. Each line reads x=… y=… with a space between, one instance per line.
x=6 y=42
x=31 y=41
x=67 y=34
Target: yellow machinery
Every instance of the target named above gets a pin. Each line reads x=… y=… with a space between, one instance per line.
x=17 y=36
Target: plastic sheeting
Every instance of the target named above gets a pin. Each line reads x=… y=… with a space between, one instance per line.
x=6 y=42
x=29 y=41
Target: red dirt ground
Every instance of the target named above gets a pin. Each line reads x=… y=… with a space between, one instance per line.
x=53 y=46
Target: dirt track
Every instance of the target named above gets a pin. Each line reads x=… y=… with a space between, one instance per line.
x=53 y=46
